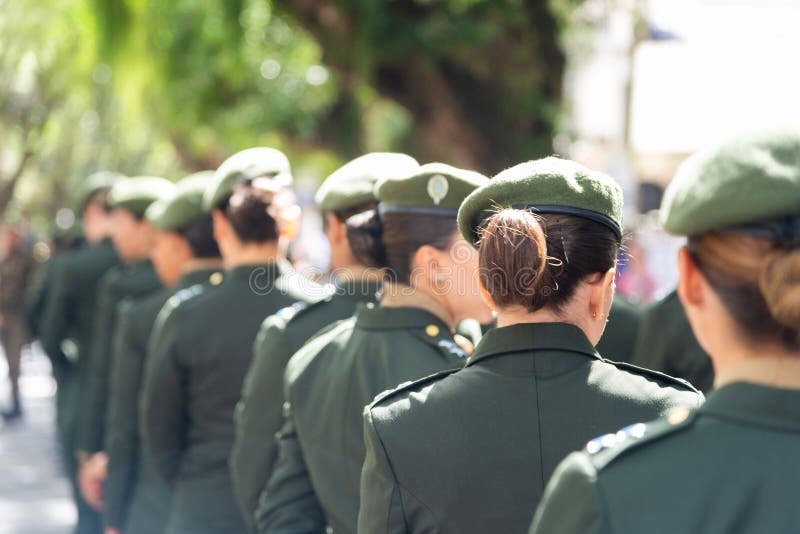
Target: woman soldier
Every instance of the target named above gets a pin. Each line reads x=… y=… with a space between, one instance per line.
x=731 y=465
x=429 y=289
x=469 y=451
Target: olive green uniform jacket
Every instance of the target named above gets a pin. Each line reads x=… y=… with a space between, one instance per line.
x=125 y=281
x=135 y=499
x=65 y=334
x=730 y=466
x=619 y=339
x=199 y=353
x=666 y=343
x=315 y=480
x=468 y=452
x=259 y=414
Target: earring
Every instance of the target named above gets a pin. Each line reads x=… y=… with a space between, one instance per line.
x=597 y=315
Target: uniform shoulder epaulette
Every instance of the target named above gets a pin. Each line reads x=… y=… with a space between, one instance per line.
x=432 y=335
x=605 y=449
x=288 y=313
x=185 y=294
x=411 y=385
x=625 y=366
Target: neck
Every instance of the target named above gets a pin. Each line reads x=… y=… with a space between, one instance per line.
x=518 y=315
x=403 y=296
x=196 y=264
x=782 y=371
x=353 y=273
x=252 y=254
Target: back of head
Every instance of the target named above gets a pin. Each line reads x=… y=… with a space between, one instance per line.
x=251 y=188
x=247 y=167
x=185 y=214
x=94 y=190
x=739 y=204
x=415 y=209
x=541 y=228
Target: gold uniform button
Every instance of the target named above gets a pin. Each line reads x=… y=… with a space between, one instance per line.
x=677 y=415
x=215 y=279
x=432 y=330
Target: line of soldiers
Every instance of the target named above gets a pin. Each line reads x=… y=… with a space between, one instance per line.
x=465 y=347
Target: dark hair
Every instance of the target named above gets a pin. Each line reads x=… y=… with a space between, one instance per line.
x=389 y=241
x=344 y=214
x=247 y=210
x=757 y=281
x=537 y=261
x=100 y=198
x=200 y=236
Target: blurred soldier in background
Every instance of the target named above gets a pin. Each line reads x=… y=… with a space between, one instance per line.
x=427 y=291
x=135 y=499
x=16 y=270
x=132 y=236
x=666 y=343
x=259 y=414
x=66 y=328
x=202 y=342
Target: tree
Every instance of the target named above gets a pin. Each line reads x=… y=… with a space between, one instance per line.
x=481 y=78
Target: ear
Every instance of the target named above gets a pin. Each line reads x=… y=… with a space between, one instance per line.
x=336 y=229
x=599 y=290
x=487 y=298
x=425 y=262
x=691 y=282
x=221 y=225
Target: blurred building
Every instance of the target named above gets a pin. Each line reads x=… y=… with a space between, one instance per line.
x=663 y=78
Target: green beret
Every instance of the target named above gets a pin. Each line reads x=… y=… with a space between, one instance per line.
x=431 y=188
x=135 y=194
x=748 y=180
x=94 y=183
x=549 y=185
x=184 y=207
x=353 y=184
x=247 y=165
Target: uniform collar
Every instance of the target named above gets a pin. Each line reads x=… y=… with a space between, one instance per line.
x=528 y=337
x=371 y=316
x=755 y=404
x=262 y=273
x=195 y=276
x=362 y=290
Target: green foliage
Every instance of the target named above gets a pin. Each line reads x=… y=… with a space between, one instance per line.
x=172 y=86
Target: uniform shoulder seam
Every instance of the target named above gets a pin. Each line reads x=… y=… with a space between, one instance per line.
x=664 y=377
x=405 y=387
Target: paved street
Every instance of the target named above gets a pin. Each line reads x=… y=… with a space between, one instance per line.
x=34 y=498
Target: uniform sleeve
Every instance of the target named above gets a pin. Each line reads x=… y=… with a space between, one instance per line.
x=94 y=395
x=381 y=508
x=163 y=408
x=258 y=418
x=289 y=503
x=572 y=503
x=122 y=439
x=56 y=316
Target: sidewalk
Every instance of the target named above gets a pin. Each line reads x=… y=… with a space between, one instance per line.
x=34 y=497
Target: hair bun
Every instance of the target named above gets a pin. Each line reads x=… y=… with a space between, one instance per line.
x=780 y=286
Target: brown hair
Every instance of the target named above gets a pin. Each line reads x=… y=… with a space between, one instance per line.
x=389 y=241
x=537 y=261
x=757 y=281
x=247 y=210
